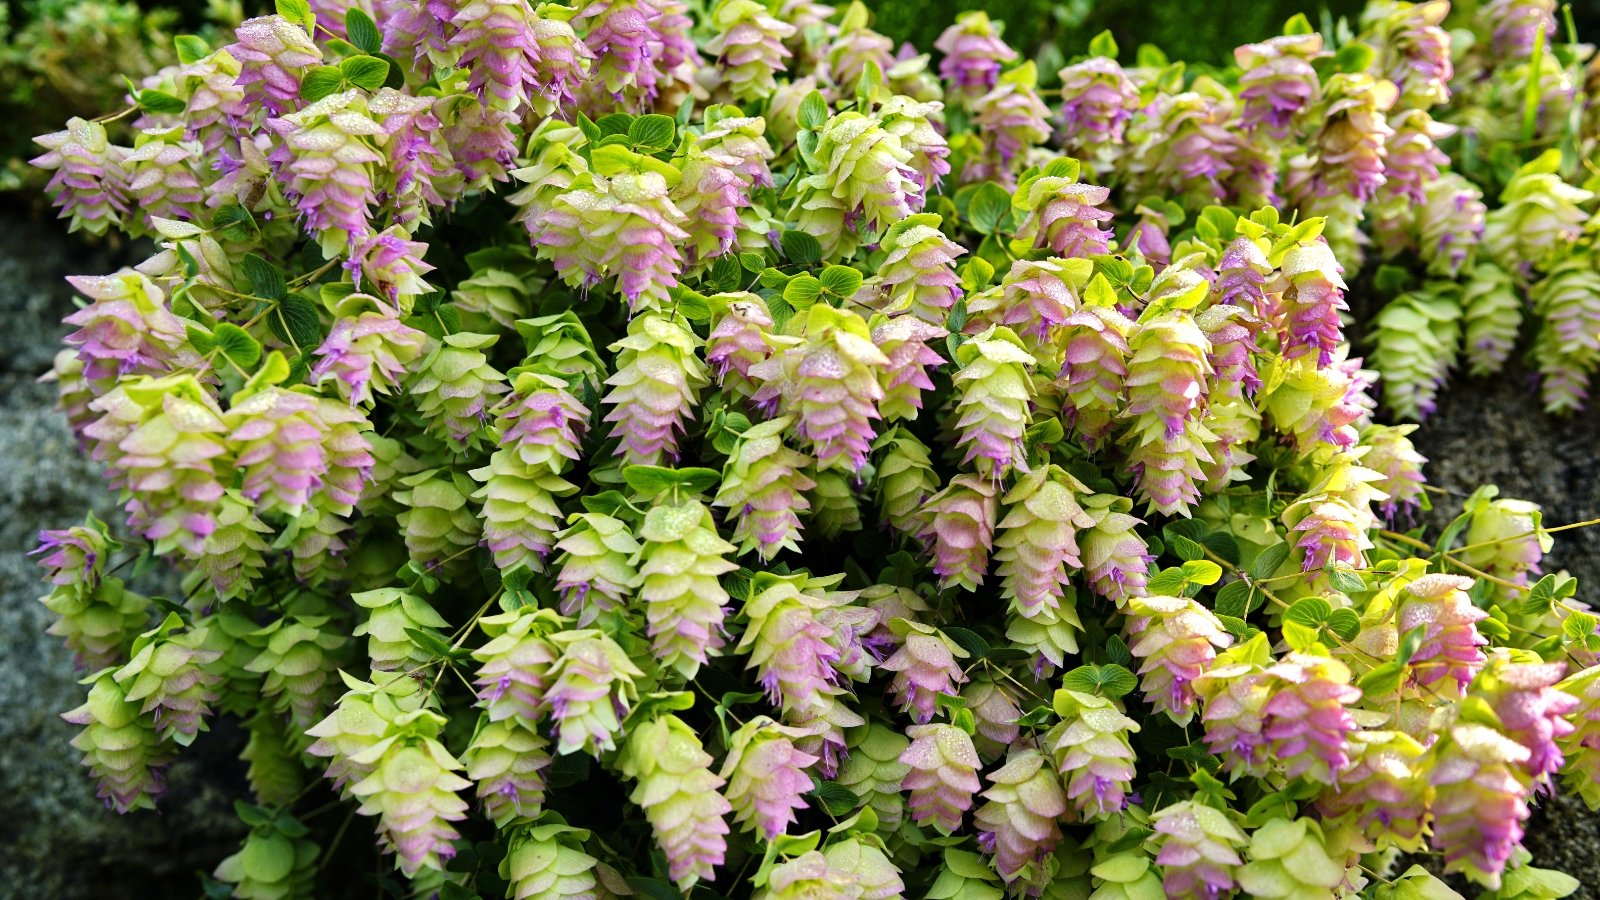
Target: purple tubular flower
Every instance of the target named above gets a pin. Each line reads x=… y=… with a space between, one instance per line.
x=1278 y=81
x=974 y=54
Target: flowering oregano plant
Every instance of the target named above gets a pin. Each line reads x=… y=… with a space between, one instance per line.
x=878 y=477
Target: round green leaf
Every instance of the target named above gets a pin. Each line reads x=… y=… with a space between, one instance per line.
x=800 y=248
x=652 y=132
x=841 y=281
x=365 y=72
x=237 y=345
x=362 y=31
x=320 y=82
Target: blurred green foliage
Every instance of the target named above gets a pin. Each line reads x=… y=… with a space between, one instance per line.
x=1061 y=29
x=64 y=58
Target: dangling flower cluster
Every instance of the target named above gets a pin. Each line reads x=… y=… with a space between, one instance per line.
x=540 y=430
x=749 y=48
x=653 y=393
x=942 y=775
x=1175 y=640
x=1091 y=752
x=867 y=184
x=974 y=54
x=1278 y=82
x=763 y=487
x=1197 y=848
x=765 y=776
x=679 y=560
x=829 y=385
x=1097 y=100
x=1011 y=119
x=995 y=388
x=1166 y=386
x=918 y=272
x=1017 y=823
x=1063 y=215
x=675 y=786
